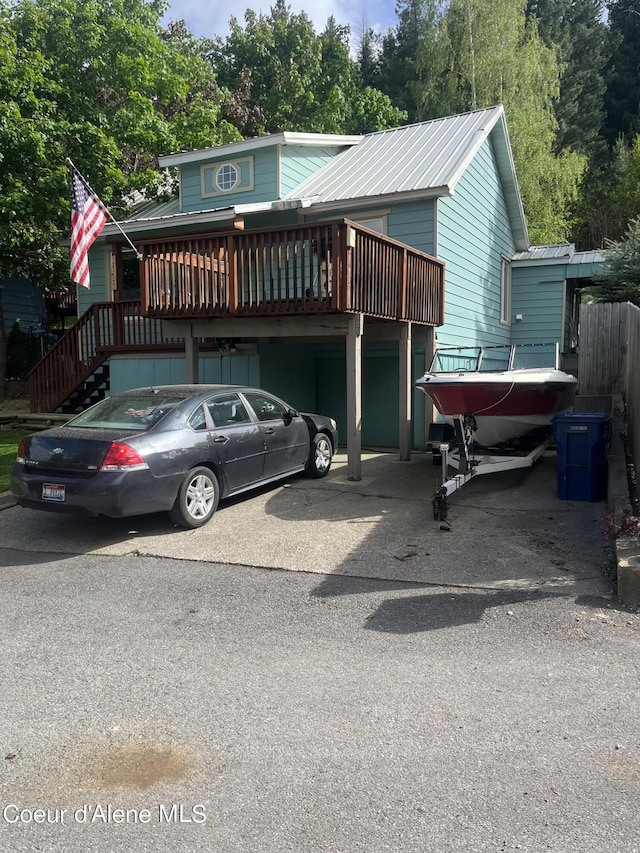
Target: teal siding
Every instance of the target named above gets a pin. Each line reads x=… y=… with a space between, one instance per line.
x=298 y=162
x=138 y=371
x=313 y=378
x=413 y=224
x=473 y=234
x=98 y=291
x=537 y=294
x=22 y=303
x=265 y=188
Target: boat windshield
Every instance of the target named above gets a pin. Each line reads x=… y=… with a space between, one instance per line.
x=535 y=355
x=494 y=359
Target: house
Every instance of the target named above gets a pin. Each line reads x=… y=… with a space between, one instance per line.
x=324 y=268
x=22 y=304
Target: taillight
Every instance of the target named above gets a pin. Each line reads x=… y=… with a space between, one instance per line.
x=20 y=456
x=122 y=457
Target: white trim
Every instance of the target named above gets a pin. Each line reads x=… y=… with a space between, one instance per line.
x=215 y=168
x=231 y=148
x=505 y=291
x=278 y=171
x=133 y=226
x=563 y=327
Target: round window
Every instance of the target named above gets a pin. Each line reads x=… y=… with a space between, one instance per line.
x=226 y=177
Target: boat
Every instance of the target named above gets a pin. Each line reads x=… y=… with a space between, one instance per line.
x=501 y=392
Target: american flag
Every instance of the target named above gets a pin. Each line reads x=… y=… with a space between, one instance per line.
x=88 y=218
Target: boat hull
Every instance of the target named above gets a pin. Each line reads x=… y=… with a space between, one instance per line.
x=504 y=405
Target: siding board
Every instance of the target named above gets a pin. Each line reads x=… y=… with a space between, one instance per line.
x=473 y=234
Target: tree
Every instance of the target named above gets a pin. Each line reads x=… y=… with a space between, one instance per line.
x=576 y=31
x=98 y=81
x=368 y=57
x=491 y=54
x=410 y=59
x=622 y=268
x=623 y=90
x=283 y=76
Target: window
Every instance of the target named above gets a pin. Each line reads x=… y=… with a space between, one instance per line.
x=227 y=411
x=265 y=407
x=377 y=224
x=198 y=420
x=505 y=292
x=231 y=176
x=226 y=177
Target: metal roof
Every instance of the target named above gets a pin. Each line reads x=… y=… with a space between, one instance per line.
x=271 y=140
x=414 y=161
x=594 y=257
x=560 y=251
x=402 y=164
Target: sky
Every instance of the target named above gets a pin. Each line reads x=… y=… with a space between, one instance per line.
x=211 y=17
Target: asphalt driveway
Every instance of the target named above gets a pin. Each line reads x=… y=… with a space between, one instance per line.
x=394 y=687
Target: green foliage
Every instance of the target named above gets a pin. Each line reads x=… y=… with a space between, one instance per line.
x=623 y=90
x=101 y=82
x=576 y=31
x=9 y=441
x=411 y=61
x=447 y=58
x=282 y=76
x=622 y=267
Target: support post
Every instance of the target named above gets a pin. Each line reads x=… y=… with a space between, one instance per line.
x=429 y=349
x=354 y=397
x=404 y=422
x=191 y=356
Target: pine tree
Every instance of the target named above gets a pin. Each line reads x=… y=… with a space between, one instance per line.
x=408 y=64
x=623 y=91
x=576 y=31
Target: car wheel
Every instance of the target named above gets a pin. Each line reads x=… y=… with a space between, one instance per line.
x=197 y=499
x=320 y=456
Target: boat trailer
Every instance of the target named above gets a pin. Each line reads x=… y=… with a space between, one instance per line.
x=469 y=463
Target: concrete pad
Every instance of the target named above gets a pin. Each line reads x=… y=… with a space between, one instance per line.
x=504 y=531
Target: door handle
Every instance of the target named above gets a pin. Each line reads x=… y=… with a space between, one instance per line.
x=269 y=431
x=221 y=439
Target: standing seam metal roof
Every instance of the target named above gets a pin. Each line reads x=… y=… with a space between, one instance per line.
x=418 y=157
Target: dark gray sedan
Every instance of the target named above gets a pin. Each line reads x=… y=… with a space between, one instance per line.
x=175 y=448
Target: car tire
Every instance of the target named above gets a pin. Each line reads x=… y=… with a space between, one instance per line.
x=320 y=456
x=197 y=499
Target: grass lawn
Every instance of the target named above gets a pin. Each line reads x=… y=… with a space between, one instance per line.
x=9 y=441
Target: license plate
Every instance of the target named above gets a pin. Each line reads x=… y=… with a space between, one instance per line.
x=52 y=492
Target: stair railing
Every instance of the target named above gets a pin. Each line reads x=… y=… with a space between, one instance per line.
x=102 y=329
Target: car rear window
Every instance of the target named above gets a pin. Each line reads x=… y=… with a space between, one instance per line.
x=134 y=413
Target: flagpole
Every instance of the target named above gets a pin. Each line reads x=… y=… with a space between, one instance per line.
x=111 y=216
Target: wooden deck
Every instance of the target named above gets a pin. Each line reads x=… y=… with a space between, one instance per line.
x=336 y=267
x=306 y=271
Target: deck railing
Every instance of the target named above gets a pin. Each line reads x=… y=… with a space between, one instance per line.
x=325 y=268
x=307 y=269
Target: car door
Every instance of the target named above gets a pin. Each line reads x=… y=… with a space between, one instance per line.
x=286 y=438
x=236 y=441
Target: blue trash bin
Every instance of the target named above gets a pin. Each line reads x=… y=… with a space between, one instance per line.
x=582 y=440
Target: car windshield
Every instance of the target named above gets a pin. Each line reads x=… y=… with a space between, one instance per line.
x=130 y=412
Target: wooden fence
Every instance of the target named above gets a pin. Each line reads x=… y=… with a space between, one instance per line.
x=609 y=358
x=602 y=349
